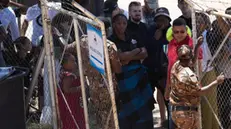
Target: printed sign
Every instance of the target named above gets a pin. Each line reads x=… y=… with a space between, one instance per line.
x=96 y=51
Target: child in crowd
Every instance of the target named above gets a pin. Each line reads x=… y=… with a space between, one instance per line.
x=70 y=92
x=18 y=55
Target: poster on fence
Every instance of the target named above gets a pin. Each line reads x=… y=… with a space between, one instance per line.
x=96 y=51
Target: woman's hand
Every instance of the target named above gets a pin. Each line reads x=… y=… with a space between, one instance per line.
x=220 y=79
x=200 y=40
x=137 y=50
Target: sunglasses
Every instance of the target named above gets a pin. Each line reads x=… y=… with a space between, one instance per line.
x=177 y=32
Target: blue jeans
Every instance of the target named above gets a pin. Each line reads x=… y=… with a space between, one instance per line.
x=126 y=124
x=171 y=124
x=145 y=121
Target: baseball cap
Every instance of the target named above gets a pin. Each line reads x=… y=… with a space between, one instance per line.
x=162 y=11
x=109 y=6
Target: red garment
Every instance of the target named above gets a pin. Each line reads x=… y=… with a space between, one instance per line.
x=172 y=52
x=74 y=100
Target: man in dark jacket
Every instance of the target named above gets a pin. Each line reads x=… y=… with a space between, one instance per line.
x=136 y=29
x=186 y=12
x=157 y=61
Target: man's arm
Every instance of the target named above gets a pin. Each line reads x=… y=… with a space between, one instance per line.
x=224 y=26
x=141 y=55
x=128 y=56
x=168 y=84
x=22 y=7
x=24 y=27
x=197 y=49
x=14 y=28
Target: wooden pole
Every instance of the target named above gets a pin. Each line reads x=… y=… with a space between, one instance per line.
x=78 y=49
x=48 y=43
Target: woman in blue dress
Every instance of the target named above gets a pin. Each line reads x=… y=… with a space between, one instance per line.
x=135 y=100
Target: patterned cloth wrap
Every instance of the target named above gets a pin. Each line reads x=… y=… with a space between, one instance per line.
x=100 y=106
x=135 y=93
x=184 y=84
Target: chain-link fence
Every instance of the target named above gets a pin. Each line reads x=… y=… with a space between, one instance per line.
x=49 y=32
x=212 y=21
x=19 y=51
x=40 y=107
x=90 y=101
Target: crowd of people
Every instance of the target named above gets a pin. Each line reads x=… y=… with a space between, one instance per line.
x=141 y=42
x=148 y=60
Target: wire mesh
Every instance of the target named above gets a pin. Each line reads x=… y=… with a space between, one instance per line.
x=99 y=106
x=215 y=29
x=26 y=51
x=96 y=85
x=18 y=51
x=221 y=5
x=29 y=51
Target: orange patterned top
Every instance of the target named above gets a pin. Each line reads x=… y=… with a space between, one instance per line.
x=184 y=84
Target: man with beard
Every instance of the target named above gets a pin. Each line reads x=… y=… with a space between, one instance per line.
x=186 y=12
x=136 y=29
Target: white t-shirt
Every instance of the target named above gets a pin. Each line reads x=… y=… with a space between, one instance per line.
x=207 y=56
x=35 y=30
x=9 y=20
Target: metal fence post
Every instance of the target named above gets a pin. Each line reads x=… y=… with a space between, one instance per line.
x=219 y=58
x=35 y=77
x=194 y=29
x=48 y=43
